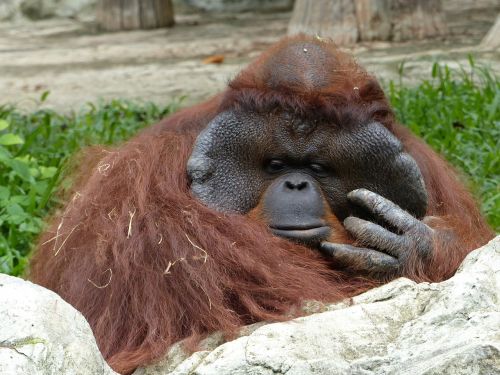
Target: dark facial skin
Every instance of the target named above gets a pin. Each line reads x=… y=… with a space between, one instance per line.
x=301 y=168
x=294 y=206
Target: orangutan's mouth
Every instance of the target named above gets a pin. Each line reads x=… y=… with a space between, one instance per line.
x=308 y=235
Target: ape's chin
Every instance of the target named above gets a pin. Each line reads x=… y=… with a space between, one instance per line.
x=309 y=237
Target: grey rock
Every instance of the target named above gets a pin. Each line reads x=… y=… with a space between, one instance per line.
x=9 y=9
x=451 y=327
x=403 y=327
x=43 y=9
x=492 y=40
x=42 y=334
x=38 y=9
x=75 y=8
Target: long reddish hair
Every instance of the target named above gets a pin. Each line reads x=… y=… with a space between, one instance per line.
x=148 y=265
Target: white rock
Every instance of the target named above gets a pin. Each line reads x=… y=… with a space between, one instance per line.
x=9 y=9
x=42 y=334
x=451 y=328
x=40 y=9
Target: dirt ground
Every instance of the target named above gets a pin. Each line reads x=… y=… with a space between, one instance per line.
x=78 y=65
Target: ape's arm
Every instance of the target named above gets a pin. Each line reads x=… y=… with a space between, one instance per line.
x=427 y=250
x=387 y=252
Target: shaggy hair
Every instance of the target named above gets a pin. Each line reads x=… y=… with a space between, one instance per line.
x=148 y=265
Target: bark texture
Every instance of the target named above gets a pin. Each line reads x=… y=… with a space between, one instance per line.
x=114 y=15
x=351 y=21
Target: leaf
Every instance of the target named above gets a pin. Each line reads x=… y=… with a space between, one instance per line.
x=48 y=172
x=29 y=227
x=493 y=107
x=15 y=214
x=4 y=193
x=21 y=200
x=214 y=59
x=10 y=139
x=34 y=172
x=14 y=209
x=3 y=125
x=4 y=154
x=44 y=96
x=50 y=186
x=472 y=62
x=40 y=187
x=19 y=167
x=401 y=68
x=435 y=70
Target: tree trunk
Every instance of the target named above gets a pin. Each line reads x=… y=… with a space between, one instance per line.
x=325 y=18
x=350 y=21
x=492 y=39
x=114 y=15
x=416 y=19
x=373 y=19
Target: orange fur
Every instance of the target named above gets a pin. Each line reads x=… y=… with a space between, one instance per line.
x=148 y=265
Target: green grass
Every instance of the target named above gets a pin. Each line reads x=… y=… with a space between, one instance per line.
x=457 y=113
x=34 y=148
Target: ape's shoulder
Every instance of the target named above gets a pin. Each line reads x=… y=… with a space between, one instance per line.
x=188 y=120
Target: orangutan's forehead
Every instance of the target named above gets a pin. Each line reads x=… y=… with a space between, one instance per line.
x=304 y=137
x=301 y=64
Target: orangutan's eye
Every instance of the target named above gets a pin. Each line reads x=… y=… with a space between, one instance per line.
x=318 y=169
x=275 y=166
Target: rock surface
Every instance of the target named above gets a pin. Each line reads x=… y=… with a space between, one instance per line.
x=40 y=334
x=492 y=39
x=42 y=9
x=9 y=9
x=77 y=65
x=448 y=328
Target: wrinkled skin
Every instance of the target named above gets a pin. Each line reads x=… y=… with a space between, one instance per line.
x=301 y=168
x=384 y=251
